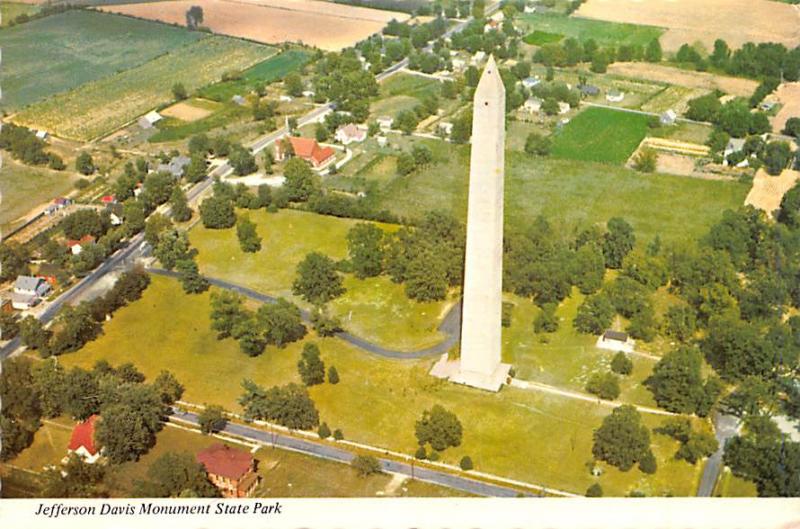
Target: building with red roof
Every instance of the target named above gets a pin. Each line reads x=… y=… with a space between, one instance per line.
x=306 y=149
x=108 y=199
x=76 y=247
x=232 y=471
x=82 y=441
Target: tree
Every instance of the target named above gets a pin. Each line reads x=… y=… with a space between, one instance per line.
x=646 y=160
x=49 y=379
x=439 y=427
x=680 y=322
x=289 y=405
x=617 y=242
x=175 y=475
x=179 y=206
x=317 y=280
x=212 y=419
x=34 y=336
x=338 y=435
x=594 y=314
x=168 y=387
x=550 y=106
x=310 y=366
x=653 y=52
x=179 y=91
x=466 y=463
x=13 y=260
x=600 y=62
x=189 y=276
x=249 y=241
x=293 y=84
x=604 y=385
x=85 y=222
x=197 y=169
x=426 y=277
x=281 y=322
x=301 y=182
x=538 y=144
x=764 y=457
x=15 y=437
x=172 y=247
x=251 y=338
x=365 y=246
x=242 y=161
x=594 y=491
x=333 y=375
x=721 y=54
x=194 y=17
x=676 y=381
x=123 y=433
x=75 y=479
x=227 y=310
x=776 y=157
x=648 y=464
x=84 y=163
x=792 y=127
x=622 y=440
x=366 y=465
x=217 y=213
x=622 y=364
x=324 y=431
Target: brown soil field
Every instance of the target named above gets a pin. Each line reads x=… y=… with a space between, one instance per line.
x=676 y=76
x=736 y=21
x=789 y=96
x=767 y=191
x=185 y=112
x=325 y=25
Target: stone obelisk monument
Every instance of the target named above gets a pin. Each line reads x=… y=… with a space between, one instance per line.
x=480 y=364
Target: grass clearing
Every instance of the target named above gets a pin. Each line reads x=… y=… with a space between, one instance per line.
x=520 y=434
x=99 y=107
x=23 y=188
x=11 y=10
x=49 y=447
x=540 y=38
x=604 y=33
x=601 y=135
x=63 y=51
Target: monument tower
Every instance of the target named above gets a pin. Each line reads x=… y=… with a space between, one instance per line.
x=480 y=364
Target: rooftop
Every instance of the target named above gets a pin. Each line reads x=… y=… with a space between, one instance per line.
x=222 y=460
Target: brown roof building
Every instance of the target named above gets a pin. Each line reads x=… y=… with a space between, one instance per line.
x=232 y=471
x=307 y=149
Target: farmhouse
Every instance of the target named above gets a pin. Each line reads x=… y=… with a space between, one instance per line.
x=615 y=341
x=232 y=471
x=28 y=291
x=82 y=442
x=735 y=145
x=50 y=272
x=532 y=105
x=41 y=134
x=347 y=134
x=175 y=167
x=76 y=247
x=588 y=89
x=306 y=149
x=668 y=118
x=385 y=122
x=615 y=96
x=108 y=199
x=150 y=119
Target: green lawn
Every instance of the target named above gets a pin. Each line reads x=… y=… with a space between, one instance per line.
x=539 y=38
x=604 y=33
x=600 y=135
x=402 y=91
x=570 y=194
x=11 y=10
x=174 y=130
x=49 y=447
x=729 y=486
x=374 y=308
x=566 y=358
x=262 y=73
x=515 y=433
x=64 y=51
x=22 y=188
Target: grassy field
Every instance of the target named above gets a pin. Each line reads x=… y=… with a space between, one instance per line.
x=516 y=433
x=374 y=308
x=262 y=73
x=729 y=486
x=402 y=92
x=174 y=130
x=570 y=194
x=101 y=106
x=604 y=33
x=600 y=135
x=22 y=188
x=540 y=38
x=49 y=446
x=67 y=50
x=565 y=358
x=11 y=10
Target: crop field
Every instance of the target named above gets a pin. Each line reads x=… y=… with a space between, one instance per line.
x=99 y=107
x=789 y=96
x=190 y=110
x=569 y=193
x=691 y=21
x=325 y=25
x=685 y=78
x=64 y=51
x=605 y=33
x=22 y=188
x=600 y=135
x=265 y=72
x=673 y=97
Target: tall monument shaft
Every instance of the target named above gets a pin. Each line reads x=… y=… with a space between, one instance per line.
x=481 y=339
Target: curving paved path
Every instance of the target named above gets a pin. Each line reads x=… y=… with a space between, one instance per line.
x=450 y=326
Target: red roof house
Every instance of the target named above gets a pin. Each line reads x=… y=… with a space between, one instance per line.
x=230 y=470
x=77 y=246
x=307 y=149
x=82 y=441
x=108 y=199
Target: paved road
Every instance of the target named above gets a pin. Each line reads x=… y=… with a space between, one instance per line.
x=450 y=326
x=326 y=451
x=725 y=427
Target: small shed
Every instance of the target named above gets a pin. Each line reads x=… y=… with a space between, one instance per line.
x=615 y=96
x=150 y=119
x=612 y=340
x=239 y=100
x=668 y=118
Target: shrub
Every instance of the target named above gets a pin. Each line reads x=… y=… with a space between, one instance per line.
x=648 y=463
x=595 y=491
x=366 y=465
x=338 y=435
x=323 y=431
x=333 y=375
x=621 y=364
x=421 y=453
x=466 y=463
x=604 y=385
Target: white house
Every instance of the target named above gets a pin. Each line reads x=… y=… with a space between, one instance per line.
x=176 y=166
x=614 y=96
x=563 y=107
x=459 y=64
x=615 y=341
x=478 y=57
x=83 y=443
x=347 y=134
x=28 y=291
x=150 y=119
x=530 y=82
x=532 y=105
x=381 y=141
x=385 y=122
x=41 y=134
x=735 y=145
x=446 y=127
x=668 y=118
x=285 y=99
x=308 y=93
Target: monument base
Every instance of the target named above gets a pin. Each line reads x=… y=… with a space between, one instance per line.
x=451 y=370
